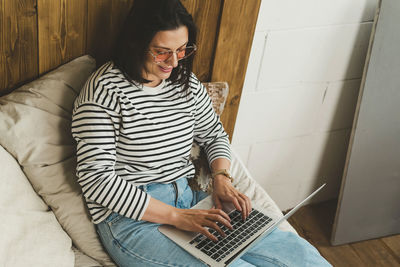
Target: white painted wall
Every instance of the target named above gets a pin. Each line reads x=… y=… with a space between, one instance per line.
x=300 y=93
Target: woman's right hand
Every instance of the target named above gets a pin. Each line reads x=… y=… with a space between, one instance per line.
x=196 y=220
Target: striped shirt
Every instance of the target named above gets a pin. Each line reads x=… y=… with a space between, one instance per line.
x=129 y=135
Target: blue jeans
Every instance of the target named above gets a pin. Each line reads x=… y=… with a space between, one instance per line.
x=139 y=243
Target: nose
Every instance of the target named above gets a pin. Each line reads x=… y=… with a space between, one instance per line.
x=173 y=60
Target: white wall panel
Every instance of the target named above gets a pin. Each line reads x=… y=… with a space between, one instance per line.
x=300 y=164
x=326 y=161
x=280 y=161
x=253 y=67
x=299 y=95
x=313 y=55
x=242 y=151
x=277 y=114
x=285 y=195
x=287 y=14
x=339 y=103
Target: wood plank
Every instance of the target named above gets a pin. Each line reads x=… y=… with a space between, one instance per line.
x=62 y=31
x=18 y=43
x=235 y=37
x=339 y=255
x=393 y=243
x=206 y=14
x=374 y=253
x=314 y=222
x=105 y=19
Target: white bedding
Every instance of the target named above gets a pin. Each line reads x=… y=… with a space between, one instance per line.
x=30 y=233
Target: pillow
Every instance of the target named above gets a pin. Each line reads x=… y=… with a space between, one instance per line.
x=35 y=125
x=31 y=235
x=218 y=93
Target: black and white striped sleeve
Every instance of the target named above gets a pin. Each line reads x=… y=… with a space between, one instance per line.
x=208 y=130
x=96 y=130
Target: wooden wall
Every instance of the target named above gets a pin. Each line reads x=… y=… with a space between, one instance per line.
x=39 y=35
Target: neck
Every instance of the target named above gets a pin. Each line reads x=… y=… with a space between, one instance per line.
x=153 y=83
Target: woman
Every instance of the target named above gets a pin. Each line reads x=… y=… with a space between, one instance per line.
x=134 y=123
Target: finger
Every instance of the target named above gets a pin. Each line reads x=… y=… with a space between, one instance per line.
x=213 y=225
x=248 y=202
x=205 y=232
x=236 y=204
x=243 y=205
x=221 y=212
x=218 y=203
x=220 y=219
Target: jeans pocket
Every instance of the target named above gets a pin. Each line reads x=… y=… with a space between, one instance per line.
x=113 y=218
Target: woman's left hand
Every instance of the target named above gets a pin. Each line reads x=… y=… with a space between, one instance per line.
x=224 y=191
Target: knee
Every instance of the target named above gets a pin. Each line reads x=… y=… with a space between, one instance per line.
x=288 y=249
x=302 y=251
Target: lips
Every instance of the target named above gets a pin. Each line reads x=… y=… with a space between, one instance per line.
x=165 y=70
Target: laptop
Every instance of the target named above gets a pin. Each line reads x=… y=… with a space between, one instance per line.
x=245 y=234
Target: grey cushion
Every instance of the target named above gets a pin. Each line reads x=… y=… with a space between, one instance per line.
x=35 y=124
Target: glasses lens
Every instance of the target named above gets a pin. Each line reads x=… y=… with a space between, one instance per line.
x=162 y=56
x=186 y=52
x=181 y=53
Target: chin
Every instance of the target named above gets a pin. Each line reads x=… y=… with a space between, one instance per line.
x=164 y=76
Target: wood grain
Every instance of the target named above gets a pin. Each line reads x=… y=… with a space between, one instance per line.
x=235 y=38
x=62 y=31
x=206 y=14
x=314 y=223
x=18 y=43
x=105 y=19
x=373 y=253
x=393 y=243
x=40 y=35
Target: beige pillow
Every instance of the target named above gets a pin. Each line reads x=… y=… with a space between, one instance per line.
x=35 y=125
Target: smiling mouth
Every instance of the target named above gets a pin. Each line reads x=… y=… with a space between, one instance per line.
x=166 y=70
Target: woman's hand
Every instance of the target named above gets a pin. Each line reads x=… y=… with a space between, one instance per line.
x=196 y=220
x=224 y=191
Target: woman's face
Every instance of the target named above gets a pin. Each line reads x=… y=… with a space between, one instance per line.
x=171 y=40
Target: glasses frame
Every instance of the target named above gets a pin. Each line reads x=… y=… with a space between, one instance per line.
x=172 y=52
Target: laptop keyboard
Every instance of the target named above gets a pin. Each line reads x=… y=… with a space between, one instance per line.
x=242 y=230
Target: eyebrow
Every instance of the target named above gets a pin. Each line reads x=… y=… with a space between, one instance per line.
x=167 y=48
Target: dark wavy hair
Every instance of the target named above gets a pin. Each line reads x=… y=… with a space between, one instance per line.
x=145 y=19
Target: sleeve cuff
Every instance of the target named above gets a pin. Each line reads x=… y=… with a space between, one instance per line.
x=144 y=207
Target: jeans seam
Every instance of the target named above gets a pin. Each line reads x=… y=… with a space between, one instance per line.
x=266 y=258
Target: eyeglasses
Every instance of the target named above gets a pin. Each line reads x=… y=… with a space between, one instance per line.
x=162 y=55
